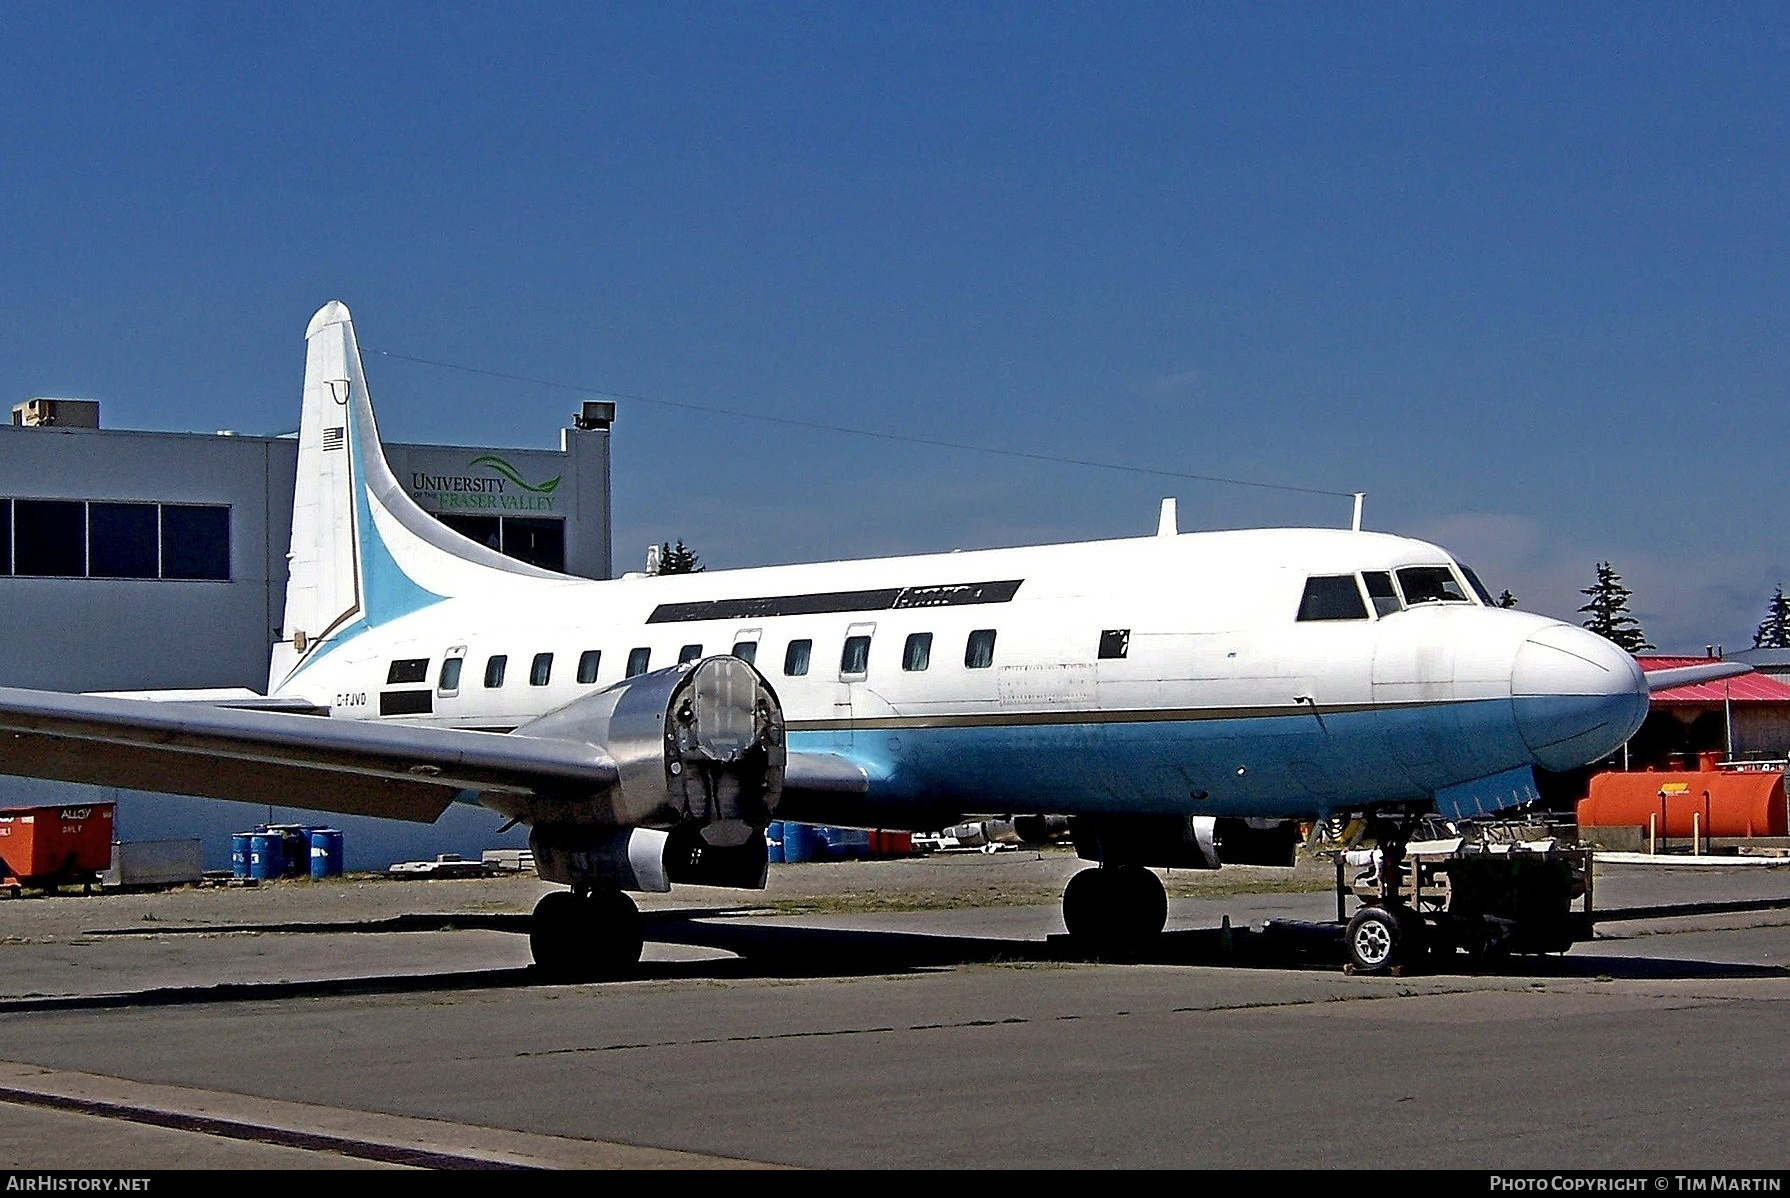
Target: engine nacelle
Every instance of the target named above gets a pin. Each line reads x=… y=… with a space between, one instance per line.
x=699 y=756
x=1184 y=842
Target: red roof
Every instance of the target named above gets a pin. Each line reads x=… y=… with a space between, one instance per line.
x=1743 y=688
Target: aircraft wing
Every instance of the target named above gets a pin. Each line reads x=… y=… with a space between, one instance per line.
x=353 y=767
x=1715 y=671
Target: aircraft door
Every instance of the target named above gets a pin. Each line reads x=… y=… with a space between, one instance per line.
x=745 y=644
x=448 y=681
x=854 y=670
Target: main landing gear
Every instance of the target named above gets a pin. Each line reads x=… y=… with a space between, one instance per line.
x=1115 y=908
x=586 y=934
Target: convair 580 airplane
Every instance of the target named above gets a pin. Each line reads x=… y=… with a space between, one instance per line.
x=1184 y=700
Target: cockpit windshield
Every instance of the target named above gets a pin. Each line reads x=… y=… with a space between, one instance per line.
x=1430 y=584
x=1485 y=596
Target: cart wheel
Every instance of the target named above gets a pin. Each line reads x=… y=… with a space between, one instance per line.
x=1377 y=940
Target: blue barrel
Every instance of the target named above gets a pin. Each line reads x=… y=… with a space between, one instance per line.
x=843 y=844
x=297 y=848
x=239 y=854
x=773 y=842
x=798 y=843
x=326 y=853
x=267 y=856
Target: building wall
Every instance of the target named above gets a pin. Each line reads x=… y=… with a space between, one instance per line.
x=87 y=634
x=84 y=634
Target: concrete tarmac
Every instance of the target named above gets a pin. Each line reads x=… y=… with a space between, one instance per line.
x=883 y=1015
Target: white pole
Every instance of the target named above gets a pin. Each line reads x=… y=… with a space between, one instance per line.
x=1359 y=496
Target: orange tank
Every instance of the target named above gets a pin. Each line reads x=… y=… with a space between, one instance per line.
x=1715 y=803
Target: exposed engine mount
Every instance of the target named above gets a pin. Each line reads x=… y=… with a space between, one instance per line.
x=699 y=755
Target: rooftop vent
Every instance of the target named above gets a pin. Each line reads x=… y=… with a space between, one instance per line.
x=62 y=413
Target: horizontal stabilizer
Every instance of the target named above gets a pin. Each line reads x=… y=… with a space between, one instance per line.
x=1715 y=671
x=352 y=767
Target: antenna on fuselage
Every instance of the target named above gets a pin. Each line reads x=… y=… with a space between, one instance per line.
x=1165 y=520
x=1359 y=496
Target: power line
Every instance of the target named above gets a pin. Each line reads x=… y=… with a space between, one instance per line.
x=817 y=426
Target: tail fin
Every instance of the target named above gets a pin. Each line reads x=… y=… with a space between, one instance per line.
x=362 y=552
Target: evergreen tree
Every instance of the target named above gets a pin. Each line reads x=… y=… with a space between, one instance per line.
x=1607 y=613
x=1774 y=629
x=676 y=559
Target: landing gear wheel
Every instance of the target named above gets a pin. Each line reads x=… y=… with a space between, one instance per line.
x=597 y=934
x=1115 y=908
x=1378 y=941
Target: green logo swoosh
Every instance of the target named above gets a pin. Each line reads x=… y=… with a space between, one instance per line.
x=502 y=467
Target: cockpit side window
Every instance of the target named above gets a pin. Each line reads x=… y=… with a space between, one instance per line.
x=1380 y=590
x=1430 y=584
x=1332 y=597
x=1485 y=596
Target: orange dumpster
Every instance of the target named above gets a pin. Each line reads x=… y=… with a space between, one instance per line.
x=44 y=847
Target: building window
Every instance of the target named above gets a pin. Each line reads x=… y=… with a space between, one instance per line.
x=688 y=653
x=539 y=541
x=587 y=666
x=1115 y=642
x=49 y=538
x=196 y=542
x=70 y=538
x=916 y=654
x=795 y=658
x=123 y=540
x=494 y=670
x=637 y=661
x=978 y=652
x=540 y=670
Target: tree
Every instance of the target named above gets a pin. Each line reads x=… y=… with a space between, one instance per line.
x=675 y=559
x=1774 y=629
x=1506 y=599
x=1608 y=611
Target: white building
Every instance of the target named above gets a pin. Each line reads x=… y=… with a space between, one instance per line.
x=137 y=560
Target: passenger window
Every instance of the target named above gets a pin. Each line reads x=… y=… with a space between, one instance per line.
x=587 y=666
x=541 y=669
x=408 y=669
x=637 y=661
x=795 y=658
x=746 y=651
x=1115 y=642
x=450 y=675
x=1336 y=597
x=1379 y=589
x=688 y=653
x=1430 y=584
x=494 y=669
x=855 y=657
x=978 y=653
x=916 y=654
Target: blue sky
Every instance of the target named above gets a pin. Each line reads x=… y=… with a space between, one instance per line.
x=1517 y=272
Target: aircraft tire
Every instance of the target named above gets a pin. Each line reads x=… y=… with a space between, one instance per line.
x=1115 y=908
x=616 y=937
x=1377 y=940
x=553 y=933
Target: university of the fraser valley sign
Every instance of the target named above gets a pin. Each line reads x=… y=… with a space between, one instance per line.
x=488 y=484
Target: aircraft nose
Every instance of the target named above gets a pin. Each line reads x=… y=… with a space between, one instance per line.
x=1577 y=697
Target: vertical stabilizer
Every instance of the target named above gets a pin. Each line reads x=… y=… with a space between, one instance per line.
x=363 y=554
